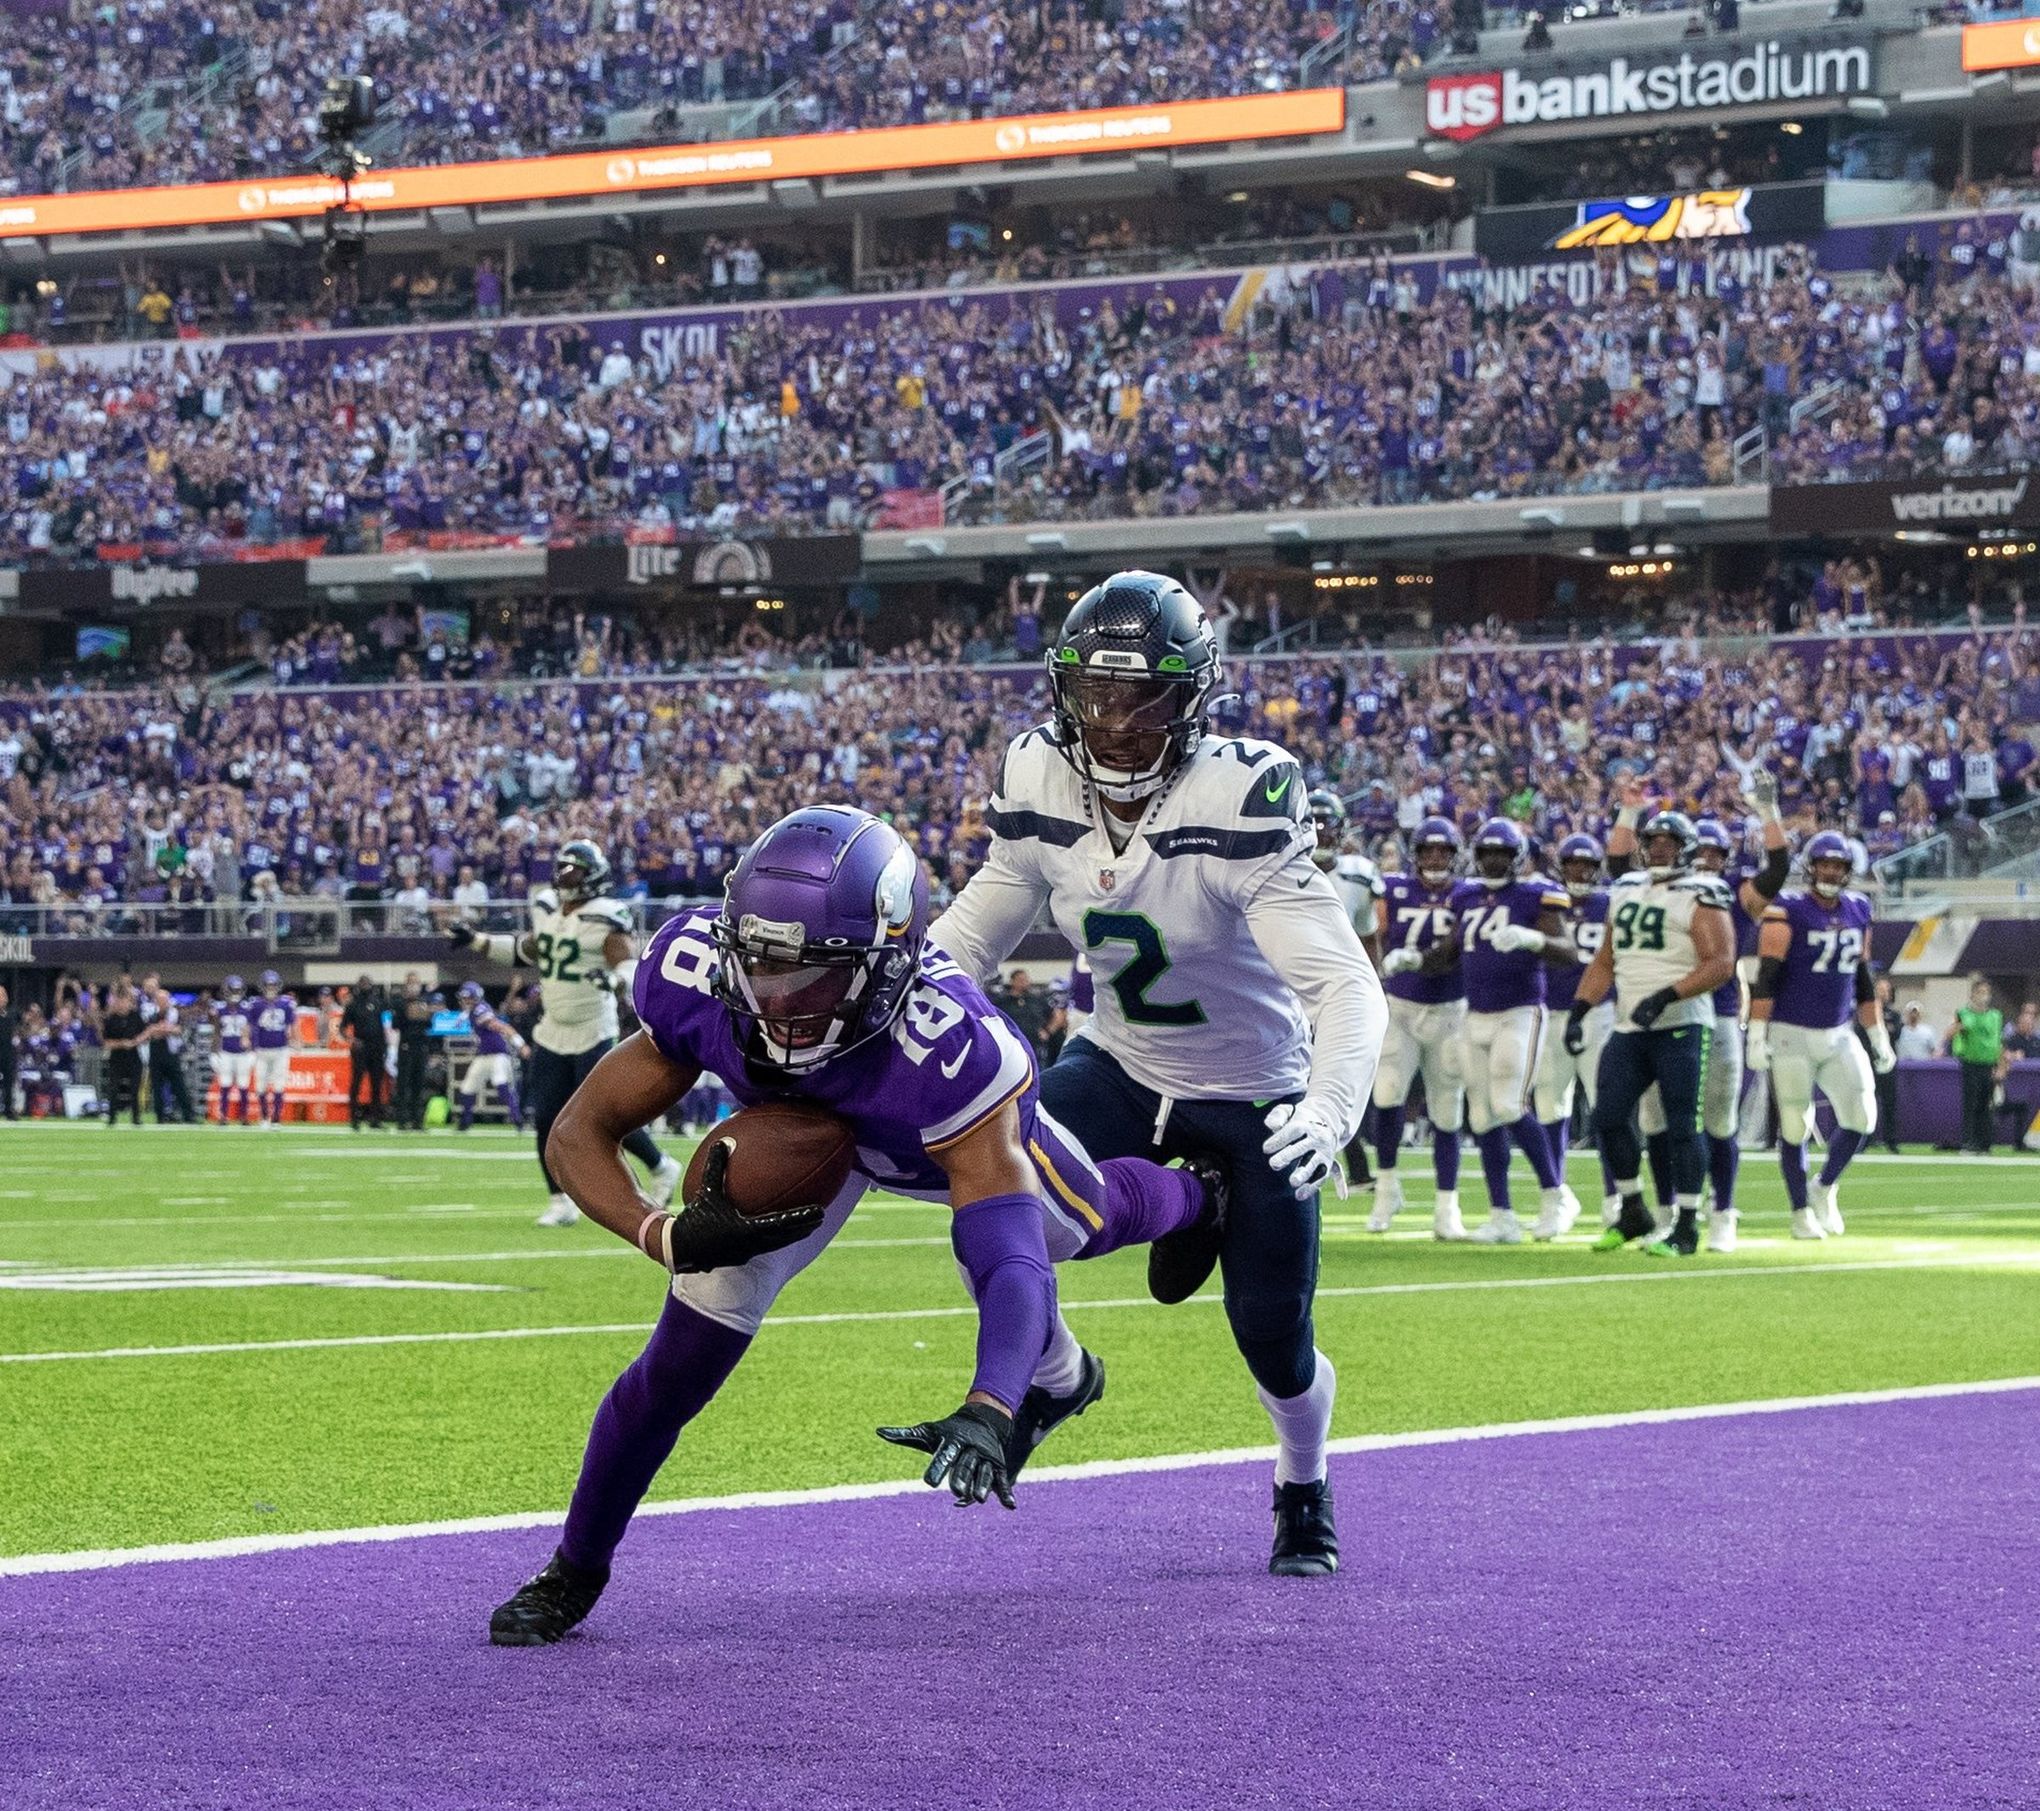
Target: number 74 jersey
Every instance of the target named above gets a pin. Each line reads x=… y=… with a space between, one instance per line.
x=1650 y=930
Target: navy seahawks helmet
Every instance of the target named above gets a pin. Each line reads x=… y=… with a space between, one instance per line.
x=580 y=870
x=1130 y=675
x=1678 y=828
x=1328 y=815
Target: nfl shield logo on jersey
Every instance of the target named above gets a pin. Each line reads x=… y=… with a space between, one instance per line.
x=1108 y=878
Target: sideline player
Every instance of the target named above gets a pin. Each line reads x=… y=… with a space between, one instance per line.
x=498 y=1051
x=580 y=943
x=1508 y=927
x=1559 y=1071
x=233 y=1056
x=815 y=982
x=1668 y=948
x=1236 y=1012
x=275 y=1032
x=1812 y=1012
x=1426 y=1015
x=1358 y=883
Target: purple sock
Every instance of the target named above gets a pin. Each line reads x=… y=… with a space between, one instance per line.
x=1388 y=1124
x=1530 y=1139
x=1724 y=1158
x=1142 y=1201
x=1658 y=1148
x=1494 y=1164
x=467 y=1111
x=1792 y=1161
x=1557 y=1134
x=1445 y=1157
x=1843 y=1146
x=1000 y=1244
x=665 y=1387
x=514 y=1107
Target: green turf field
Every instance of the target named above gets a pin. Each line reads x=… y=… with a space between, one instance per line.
x=337 y=1400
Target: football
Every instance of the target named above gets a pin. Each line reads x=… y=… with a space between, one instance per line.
x=783 y=1154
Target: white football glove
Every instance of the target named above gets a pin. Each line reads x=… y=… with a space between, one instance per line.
x=1883 y=1059
x=1762 y=794
x=1303 y=1147
x=1510 y=938
x=1756 y=1054
x=1401 y=962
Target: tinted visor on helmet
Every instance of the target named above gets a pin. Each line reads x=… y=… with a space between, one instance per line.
x=799 y=998
x=1125 y=722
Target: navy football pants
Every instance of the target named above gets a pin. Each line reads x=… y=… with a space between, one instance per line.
x=1269 y=1261
x=1676 y=1060
x=550 y=1079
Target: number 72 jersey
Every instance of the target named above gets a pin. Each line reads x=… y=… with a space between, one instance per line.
x=1817 y=986
x=1650 y=931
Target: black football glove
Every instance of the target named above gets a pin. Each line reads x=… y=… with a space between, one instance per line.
x=1576 y=1030
x=1644 y=1014
x=461 y=936
x=709 y=1234
x=970 y=1451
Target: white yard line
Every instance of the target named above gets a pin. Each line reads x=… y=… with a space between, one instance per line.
x=32 y=1564
x=1618 y=1279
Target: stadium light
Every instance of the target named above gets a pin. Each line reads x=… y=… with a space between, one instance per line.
x=1431 y=179
x=1868 y=106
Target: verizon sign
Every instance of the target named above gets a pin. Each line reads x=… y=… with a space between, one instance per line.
x=1949 y=504
x=1998 y=500
x=1465 y=106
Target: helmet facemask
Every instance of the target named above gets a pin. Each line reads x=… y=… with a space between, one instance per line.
x=1127 y=732
x=1579 y=875
x=798 y=1005
x=1830 y=875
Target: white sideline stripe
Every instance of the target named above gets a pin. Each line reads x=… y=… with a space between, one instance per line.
x=238 y=1546
x=1208 y=1299
x=614 y=1248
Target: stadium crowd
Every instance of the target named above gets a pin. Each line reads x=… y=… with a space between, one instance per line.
x=1349 y=387
x=415 y=803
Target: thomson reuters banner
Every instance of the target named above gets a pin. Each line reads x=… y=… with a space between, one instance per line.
x=595 y=173
x=2010 y=500
x=1465 y=106
x=2009 y=44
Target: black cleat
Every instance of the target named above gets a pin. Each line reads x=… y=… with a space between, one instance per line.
x=546 y=1607
x=1180 y=1263
x=1306 y=1543
x=1684 y=1238
x=1041 y=1414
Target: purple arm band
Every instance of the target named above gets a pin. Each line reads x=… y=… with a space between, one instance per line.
x=999 y=1243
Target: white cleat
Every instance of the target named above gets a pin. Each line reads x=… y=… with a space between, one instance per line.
x=1820 y=1198
x=1560 y=1209
x=1611 y=1209
x=1500 y=1228
x=1721 y=1230
x=560 y=1212
x=1805 y=1226
x=665 y=1179
x=1445 y=1221
x=1387 y=1201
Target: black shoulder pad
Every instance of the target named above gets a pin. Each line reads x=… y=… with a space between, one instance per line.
x=1275 y=789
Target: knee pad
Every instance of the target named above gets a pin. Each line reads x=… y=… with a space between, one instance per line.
x=1282 y=1363
x=1650 y=1112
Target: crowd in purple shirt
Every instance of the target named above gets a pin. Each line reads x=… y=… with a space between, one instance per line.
x=238 y=81
x=1346 y=388
x=415 y=802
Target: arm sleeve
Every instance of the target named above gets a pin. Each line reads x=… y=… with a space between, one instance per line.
x=1308 y=940
x=985 y=922
x=1769 y=880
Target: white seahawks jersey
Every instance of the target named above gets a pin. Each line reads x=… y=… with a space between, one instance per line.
x=575 y=984
x=1359 y=885
x=1185 y=1000
x=1650 y=929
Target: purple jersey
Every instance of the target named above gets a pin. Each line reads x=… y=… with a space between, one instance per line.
x=1586 y=923
x=273 y=1020
x=1499 y=980
x=492 y=1036
x=1415 y=917
x=1728 y=996
x=233 y=1032
x=948 y=1064
x=1817 y=986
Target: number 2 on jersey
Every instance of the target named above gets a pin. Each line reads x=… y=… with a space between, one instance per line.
x=1838 y=951
x=1147 y=965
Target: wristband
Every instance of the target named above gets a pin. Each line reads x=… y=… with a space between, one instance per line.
x=1629 y=816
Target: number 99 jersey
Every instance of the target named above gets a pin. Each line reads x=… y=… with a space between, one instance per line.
x=575 y=984
x=1650 y=929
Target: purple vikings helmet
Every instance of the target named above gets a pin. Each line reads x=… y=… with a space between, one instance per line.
x=1498 y=851
x=820 y=936
x=271 y=980
x=1711 y=837
x=235 y=987
x=471 y=994
x=1579 y=863
x=1437 y=837
x=1830 y=851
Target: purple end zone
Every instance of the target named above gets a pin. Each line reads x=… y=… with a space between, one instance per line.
x=1830 y=1608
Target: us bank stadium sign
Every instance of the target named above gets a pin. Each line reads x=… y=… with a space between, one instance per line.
x=1468 y=106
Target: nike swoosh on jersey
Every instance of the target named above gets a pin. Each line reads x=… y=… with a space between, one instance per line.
x=1273 y=793
x=949 y=1069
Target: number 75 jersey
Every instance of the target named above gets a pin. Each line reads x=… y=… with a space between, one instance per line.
x=1650 y=930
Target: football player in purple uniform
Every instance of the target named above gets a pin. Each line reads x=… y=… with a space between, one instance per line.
x=233 y=1059
x=1426 y=1013
x=275 y=1032
x=498 y=1051
x=1813 y=1016
x=1558 y=1070
x=1508 y=926
x=815 y=983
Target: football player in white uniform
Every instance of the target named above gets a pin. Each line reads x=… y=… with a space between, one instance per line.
x=1558 y=1069
x=1237 y=1015
x=1669 y=946
x=1360 y=888
x=580 y=943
